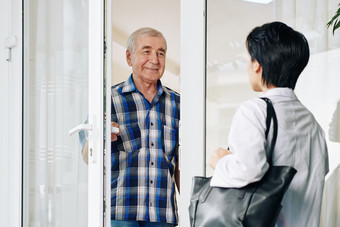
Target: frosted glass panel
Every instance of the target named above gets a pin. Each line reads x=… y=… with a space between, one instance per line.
x=55 y=100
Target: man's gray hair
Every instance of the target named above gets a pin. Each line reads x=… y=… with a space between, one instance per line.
x=145 y=31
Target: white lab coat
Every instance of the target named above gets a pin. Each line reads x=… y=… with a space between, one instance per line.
x=300 y=143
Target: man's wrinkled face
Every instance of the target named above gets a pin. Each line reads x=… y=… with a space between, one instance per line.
x=148 y=58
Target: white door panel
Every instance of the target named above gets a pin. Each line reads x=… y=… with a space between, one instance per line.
x=63 y=86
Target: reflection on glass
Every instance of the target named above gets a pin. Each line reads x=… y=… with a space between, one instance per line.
x=55 y=100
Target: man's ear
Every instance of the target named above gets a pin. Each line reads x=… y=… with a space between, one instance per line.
x=128 y=57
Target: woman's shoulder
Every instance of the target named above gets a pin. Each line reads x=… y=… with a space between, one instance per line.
x=252 y=111
x=255 y=106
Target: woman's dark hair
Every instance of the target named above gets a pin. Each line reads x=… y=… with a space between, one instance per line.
x=281 y=51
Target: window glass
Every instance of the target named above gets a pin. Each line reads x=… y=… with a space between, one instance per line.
x=228 y=24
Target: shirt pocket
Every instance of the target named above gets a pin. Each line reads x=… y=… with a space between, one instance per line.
x=129 y=139
x=169 y=140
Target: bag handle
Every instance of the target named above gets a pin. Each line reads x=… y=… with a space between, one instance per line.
x=270 y=115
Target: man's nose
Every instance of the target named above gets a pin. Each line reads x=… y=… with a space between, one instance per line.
x=153 y=58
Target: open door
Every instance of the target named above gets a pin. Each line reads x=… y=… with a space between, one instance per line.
x=64 y=94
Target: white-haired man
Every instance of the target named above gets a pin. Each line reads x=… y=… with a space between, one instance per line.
x=145 y=151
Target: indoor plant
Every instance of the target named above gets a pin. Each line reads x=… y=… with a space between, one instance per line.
x=335 y=20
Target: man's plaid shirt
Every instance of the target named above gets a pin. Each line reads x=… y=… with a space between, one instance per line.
x=145 y=154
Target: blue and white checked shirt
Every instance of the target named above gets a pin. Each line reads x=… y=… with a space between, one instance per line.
x=145 y=154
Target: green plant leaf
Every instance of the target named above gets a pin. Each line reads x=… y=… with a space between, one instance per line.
x=334 y=21
x=336 y=26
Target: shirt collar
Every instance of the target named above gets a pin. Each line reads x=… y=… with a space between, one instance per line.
x=280 y=91
x=129 y=86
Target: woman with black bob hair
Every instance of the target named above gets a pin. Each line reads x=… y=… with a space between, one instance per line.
x=282 y=52
x=278 y=55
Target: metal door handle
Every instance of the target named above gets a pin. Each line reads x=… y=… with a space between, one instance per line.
x=87 y=127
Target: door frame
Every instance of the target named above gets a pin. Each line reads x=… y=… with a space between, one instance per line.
x=96 y=114
x=11 y=114
x=107 y=122
x=192 y=129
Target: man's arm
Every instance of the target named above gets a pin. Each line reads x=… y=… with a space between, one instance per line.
x=85 y=152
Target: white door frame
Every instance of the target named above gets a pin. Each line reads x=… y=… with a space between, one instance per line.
x=11 y=113
x=192 y=80
x=96 y=115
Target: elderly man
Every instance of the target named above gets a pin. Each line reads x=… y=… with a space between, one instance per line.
x=145 y=151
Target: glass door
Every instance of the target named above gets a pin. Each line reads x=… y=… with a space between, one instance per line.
x=63 y=88
x=214 y=78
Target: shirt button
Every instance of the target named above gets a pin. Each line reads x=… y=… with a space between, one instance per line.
x=152 y=144
x=151 y=123
x=152 y=163
x=151 y=181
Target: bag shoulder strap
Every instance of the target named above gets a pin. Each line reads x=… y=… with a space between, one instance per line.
x=271 y=115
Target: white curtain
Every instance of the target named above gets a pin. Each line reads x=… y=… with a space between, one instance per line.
x=55 y=101
x=310 y=17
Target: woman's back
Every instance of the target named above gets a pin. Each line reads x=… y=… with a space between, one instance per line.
x=300 y=143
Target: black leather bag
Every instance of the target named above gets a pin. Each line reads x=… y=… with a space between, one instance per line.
x=255 y=205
